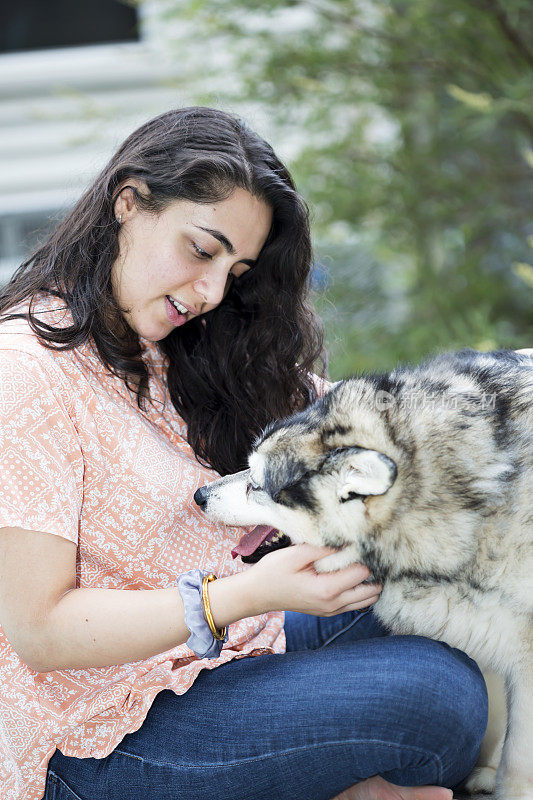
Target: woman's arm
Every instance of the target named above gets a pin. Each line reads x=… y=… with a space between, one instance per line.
x=53 y=626
x=101 y=627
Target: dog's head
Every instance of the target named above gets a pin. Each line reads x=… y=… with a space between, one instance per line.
x=313 y=476
x=401 y=465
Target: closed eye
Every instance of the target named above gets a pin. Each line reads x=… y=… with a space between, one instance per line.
x=201 y=254
x=251 y=487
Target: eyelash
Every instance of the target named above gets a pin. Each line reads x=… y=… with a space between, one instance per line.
x=203 y=255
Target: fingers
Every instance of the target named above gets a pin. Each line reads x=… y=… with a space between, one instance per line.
x=361 y=596
x=358 y=606
x=308 y=553
x=341 y=590
x=343 y=580
x=349 y=577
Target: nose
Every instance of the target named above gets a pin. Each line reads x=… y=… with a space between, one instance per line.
x=200 y=496
x=213 y=288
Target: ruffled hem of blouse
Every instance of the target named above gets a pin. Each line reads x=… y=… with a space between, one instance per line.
x=128 y=707
x=127 y=717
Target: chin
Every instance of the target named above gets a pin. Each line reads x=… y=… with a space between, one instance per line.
x=151 y=332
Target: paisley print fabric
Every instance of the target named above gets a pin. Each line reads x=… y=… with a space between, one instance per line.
x=78 y=459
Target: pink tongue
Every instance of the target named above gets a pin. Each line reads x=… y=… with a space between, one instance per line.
x=251 y=541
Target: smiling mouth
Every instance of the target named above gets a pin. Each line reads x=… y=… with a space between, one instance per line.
x=175 y=316
x=178 y=305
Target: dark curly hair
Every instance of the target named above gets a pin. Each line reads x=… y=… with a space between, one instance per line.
x=232 y=370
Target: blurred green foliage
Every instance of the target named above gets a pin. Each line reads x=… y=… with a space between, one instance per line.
x=414 y=126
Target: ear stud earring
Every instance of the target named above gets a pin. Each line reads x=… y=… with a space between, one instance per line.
x=120 y=219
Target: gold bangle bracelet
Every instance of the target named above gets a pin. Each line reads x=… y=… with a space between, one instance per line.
x=207 y=609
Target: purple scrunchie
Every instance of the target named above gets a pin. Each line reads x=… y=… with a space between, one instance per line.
x=201 y=641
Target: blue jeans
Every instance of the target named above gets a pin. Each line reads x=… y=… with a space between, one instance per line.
x=345 y=702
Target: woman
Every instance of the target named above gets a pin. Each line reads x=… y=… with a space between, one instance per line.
x=143 y=347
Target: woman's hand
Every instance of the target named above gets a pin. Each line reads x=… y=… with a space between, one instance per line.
x=285 y=580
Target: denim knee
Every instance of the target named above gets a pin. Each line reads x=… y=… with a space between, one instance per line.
x=453 y=686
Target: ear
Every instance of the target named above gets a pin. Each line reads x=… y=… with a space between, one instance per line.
x=124 y=197
x=364 y=472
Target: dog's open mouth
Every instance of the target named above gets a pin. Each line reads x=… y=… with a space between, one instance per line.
x=256 y=544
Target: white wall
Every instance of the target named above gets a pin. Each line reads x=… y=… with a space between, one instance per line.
x=64 y=111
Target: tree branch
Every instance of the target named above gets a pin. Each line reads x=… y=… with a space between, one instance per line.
x=334 y=15
x=493 y=7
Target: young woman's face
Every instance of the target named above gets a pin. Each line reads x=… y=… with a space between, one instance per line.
x=189 y=252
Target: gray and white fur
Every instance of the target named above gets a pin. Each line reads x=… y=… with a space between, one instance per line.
x=424 y=474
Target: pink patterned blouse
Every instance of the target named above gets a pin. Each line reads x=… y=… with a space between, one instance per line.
x=81 y=461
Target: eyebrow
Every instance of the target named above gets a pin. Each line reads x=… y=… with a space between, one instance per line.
x=227 y=245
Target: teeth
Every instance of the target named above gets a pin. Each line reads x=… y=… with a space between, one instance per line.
x=177 y=306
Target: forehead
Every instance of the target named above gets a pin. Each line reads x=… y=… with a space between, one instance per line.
x=256 y=463
x=344 y=417
x=285 y=455
x=276 y=474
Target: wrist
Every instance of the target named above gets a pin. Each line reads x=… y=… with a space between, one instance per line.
x=231 y=599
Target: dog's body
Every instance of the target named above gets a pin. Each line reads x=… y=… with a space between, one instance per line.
x=426 y=476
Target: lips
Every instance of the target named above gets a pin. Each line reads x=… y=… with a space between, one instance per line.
x=173 y=314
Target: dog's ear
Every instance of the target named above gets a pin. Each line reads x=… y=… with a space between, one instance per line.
x=363 y=472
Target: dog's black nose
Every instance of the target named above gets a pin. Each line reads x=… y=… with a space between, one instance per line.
x=200 y=496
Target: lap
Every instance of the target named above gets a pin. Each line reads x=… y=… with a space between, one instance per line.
x=307 y=632
x=304 y=724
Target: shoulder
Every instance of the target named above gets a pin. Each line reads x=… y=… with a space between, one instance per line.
x=18 y=335
x=24 y=360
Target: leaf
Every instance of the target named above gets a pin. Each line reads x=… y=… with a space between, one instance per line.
x=524 y=271
x=527 y=152
x=480 y=101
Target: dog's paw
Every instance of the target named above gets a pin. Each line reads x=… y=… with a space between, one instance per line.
x=481 y=780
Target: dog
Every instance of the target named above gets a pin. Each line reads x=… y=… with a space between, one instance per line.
x=424 y=474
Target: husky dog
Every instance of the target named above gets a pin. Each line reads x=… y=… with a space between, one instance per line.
x=424 y=474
